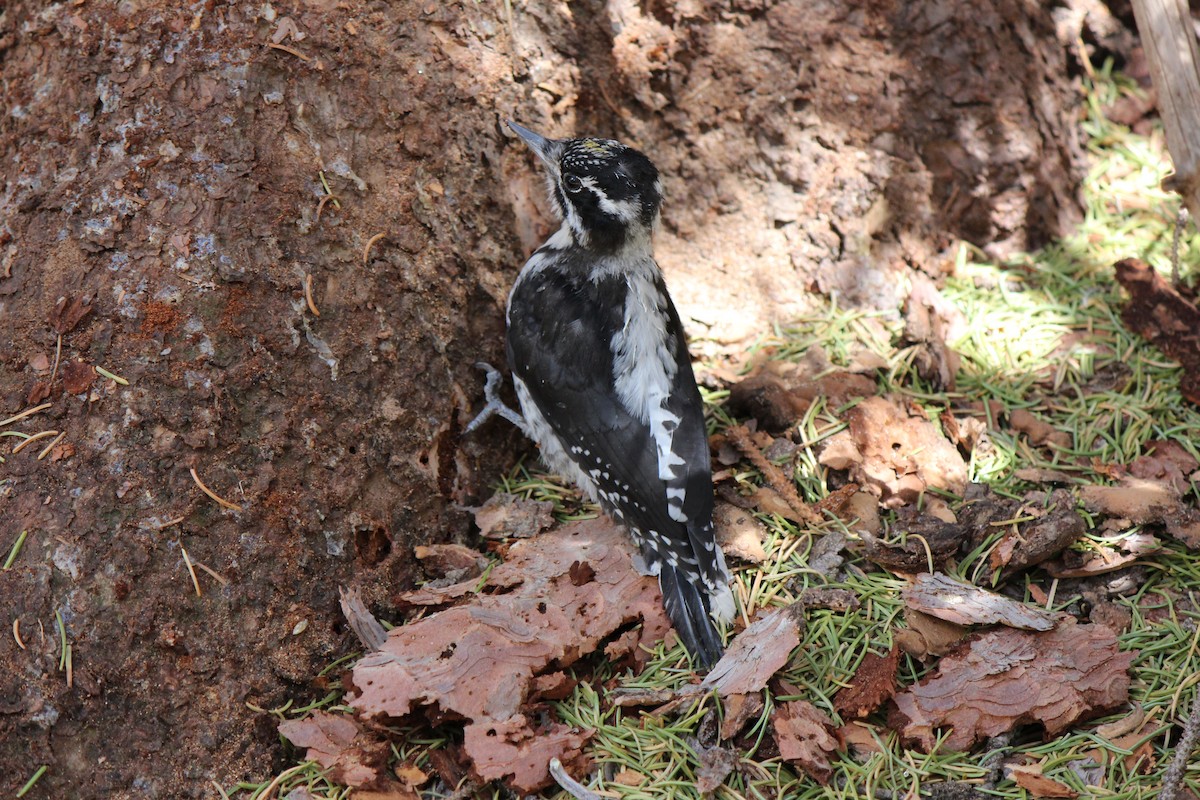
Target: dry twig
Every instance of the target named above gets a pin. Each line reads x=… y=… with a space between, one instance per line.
x=220 y=500
x=739 y=437
x=308 y=296
x=1173 y=777
x=371 y=243
x=191 y=570
x=50 y=446
x=32 y=439
x=289 y=50
x=27 y=412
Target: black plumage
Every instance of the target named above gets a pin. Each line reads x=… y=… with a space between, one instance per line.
x=601 y=367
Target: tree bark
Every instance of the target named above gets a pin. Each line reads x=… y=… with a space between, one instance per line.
x=1169 y=39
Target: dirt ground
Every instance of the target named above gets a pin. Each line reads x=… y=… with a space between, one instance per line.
x=169 y=164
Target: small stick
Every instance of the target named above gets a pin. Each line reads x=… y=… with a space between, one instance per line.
x=308 y=298
x=191 y=570
x=171 y=522
x=221 y=791
x=16 y=548
x=325 y=198
x=371 y=243
x=57 y=355
x=70 y=668
x=569 y=784
x=111 y=376
x=33 y=439
x=25 y=414
x=296 y=53
x=50 y=446
x=216 y=576
x=1172 y=779
x=220 y=500
x=17 y=632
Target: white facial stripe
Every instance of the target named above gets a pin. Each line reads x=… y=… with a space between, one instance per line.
x=624 y=210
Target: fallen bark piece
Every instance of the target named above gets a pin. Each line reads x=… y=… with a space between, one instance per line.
x=805 y=737
x=77 y=376
x=894 y=452
x=480 y=661
x=1099 y=559
x=1159 y=314
x=833 y=599
x=920 y=538
x=861 y=739
x=452 y=561
x=1004 y=678
x=1039 y=432
x=927 y=635
x=1146 y=501
x=715 y=764
x=508 y=516
x=339 y=744
x=518 y=751
x=757 y=653
x=368 y=629
x=68 y=311
x=966 y=604
x=739 y=710
x=1030 y=778
x=739 y=533
x=930 y=321
x=872 y=685
x=1167 y=462
x=1040 y=539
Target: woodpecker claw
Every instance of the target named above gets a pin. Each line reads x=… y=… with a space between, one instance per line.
x=494 y=404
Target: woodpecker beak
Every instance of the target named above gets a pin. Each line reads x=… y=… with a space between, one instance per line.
x=547 y=150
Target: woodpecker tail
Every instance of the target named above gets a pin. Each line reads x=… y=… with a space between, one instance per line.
x=688 y=607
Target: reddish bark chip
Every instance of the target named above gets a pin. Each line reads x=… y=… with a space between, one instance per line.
x=1030 y=778
x=1159 y=314
x=872 y=685
x=483 y=661
x=805 y=737
x=757 y=653
x=894 y=452
x=1004 y=678
x=739 y=710
x=339 y=744
x=77 y=377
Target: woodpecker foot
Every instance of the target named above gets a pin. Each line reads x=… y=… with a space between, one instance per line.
x=494 y=404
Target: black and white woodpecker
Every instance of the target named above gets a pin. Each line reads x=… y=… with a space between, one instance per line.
x=601 y=368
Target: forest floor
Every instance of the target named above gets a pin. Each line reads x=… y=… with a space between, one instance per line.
x=1055 y=458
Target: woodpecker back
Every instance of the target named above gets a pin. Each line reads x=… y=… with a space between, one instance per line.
x=601 y=368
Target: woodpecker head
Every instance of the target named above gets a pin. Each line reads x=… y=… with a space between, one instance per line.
x=608 y=194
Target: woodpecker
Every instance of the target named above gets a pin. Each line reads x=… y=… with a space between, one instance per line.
x=601 y=369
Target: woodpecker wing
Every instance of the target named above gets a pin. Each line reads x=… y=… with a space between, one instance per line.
x=561 y=328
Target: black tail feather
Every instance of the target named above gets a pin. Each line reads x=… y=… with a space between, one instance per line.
x=687 y=606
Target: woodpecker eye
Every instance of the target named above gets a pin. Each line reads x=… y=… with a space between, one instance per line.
x=572 y=183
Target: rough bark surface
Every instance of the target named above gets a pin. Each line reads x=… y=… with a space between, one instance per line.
x=168 y=161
